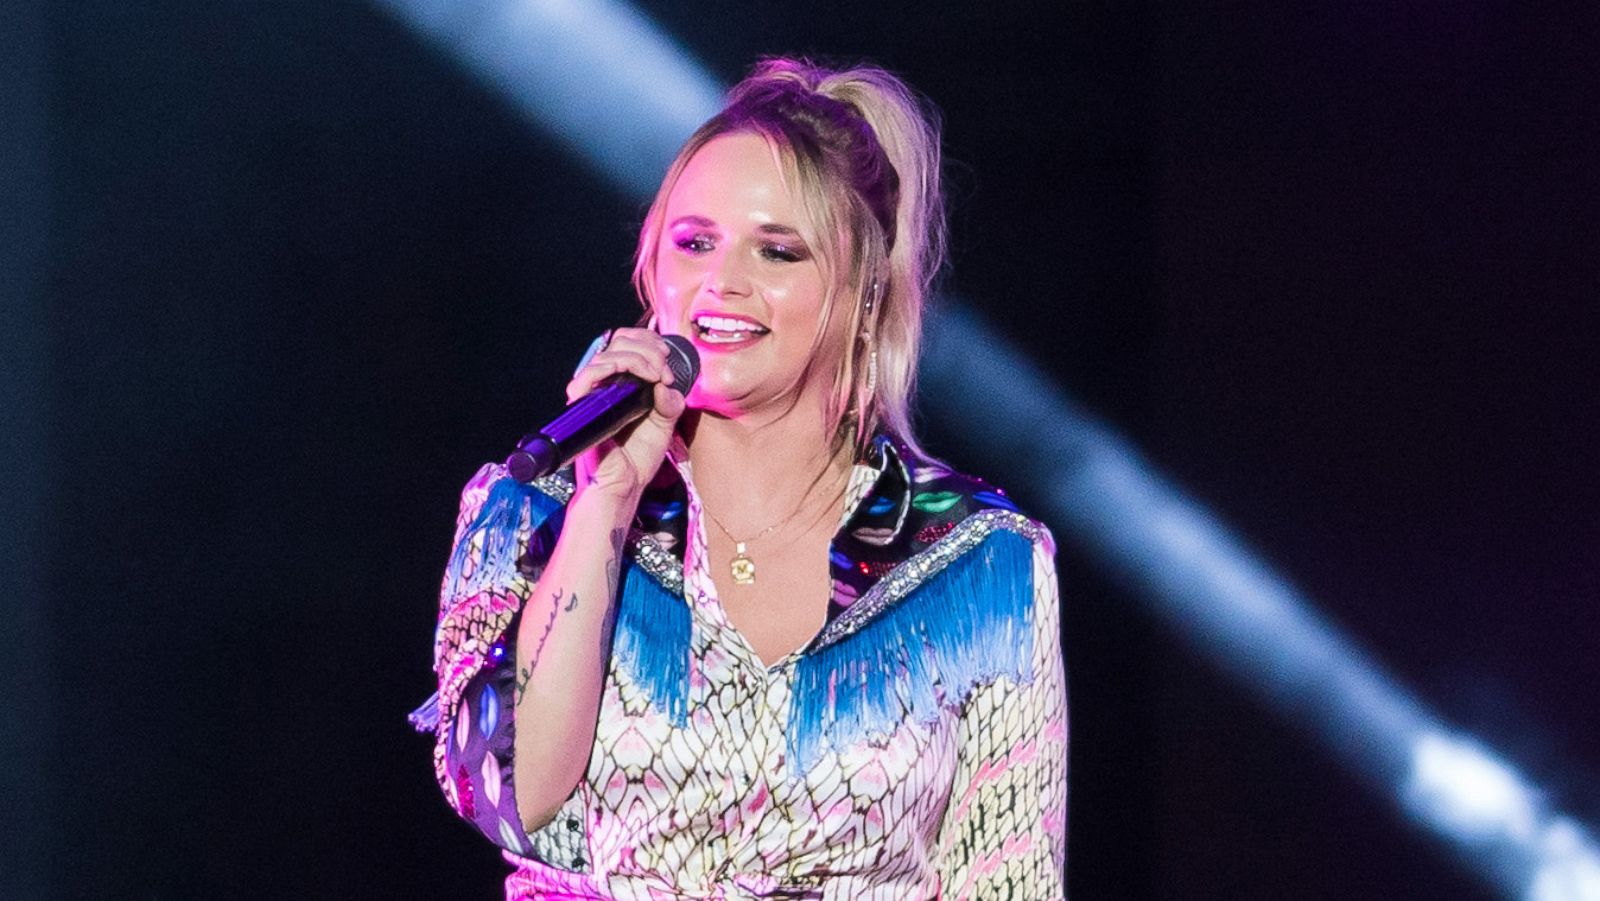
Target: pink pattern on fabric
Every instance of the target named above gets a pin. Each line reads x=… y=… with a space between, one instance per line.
x=466 y=807
x=712 y=809
x=1054 y=822
x=1023 y=754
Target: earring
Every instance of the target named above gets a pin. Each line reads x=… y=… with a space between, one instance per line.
x=866 y=335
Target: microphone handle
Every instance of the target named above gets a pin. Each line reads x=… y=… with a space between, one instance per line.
x=590 y=420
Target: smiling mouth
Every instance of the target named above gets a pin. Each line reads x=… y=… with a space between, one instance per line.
x=727 y=330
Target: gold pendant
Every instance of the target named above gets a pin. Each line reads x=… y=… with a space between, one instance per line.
x=742 y=567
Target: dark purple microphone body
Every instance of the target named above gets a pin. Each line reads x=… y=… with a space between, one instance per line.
x=598 y=415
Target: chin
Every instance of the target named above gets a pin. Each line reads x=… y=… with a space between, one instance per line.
x=720 y=383
x=713 y=400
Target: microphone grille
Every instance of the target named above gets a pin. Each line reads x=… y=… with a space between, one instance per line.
x=684 y=361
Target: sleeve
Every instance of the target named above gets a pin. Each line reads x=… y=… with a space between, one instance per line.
x=1004 y=834
x=504 y=533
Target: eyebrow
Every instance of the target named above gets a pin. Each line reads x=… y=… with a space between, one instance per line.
x=766 y=229
x=699 y=221
x=775 y=229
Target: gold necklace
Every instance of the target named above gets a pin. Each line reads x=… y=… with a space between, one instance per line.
x=743 y=567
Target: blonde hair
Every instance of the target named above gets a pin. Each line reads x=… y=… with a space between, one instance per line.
x=864 y=150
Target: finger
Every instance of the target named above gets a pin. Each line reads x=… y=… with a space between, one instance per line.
x=641 y=363
x=611 y=362
x=669 y=403
x=590 y=375
x=637 y=336
x=643 y=342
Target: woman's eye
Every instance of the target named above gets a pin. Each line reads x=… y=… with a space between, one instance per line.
x=783 y=253
x=695 y=244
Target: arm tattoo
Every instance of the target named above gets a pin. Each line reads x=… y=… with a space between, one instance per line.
x=614 y=564
x=525 y=675
x=613 y=577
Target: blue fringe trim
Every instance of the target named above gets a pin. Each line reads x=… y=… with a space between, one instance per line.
x=966 y=626
x=652 y=633
x=510 y=506
x=652 y=642
x=426 y=717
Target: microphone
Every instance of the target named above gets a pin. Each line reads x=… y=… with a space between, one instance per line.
x=598 y=415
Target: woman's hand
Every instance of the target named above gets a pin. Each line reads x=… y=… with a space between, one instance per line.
x=621 y=466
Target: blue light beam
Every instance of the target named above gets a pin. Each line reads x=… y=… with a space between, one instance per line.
x=1249 y=621
x=595 y=74
x=623 y=96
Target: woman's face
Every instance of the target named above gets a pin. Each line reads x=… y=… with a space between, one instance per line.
x=737 y=272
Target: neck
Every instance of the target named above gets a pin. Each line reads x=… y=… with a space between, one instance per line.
x=752 y=472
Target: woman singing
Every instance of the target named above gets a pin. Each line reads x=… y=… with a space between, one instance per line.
x=759 y=645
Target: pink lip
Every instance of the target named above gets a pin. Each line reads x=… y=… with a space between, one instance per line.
x=703 y=345
x=693 y=331
x=723 y=314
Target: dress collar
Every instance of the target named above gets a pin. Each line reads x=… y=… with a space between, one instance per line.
x=871 y=540
x=913 y=517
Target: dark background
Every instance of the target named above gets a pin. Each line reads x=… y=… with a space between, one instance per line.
x=278 y=277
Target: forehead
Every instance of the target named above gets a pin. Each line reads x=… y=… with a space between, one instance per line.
x=736 y=179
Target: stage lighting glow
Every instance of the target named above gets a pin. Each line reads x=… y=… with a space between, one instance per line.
x=1570 y=870
x=1469 y=791
x=596 y=74
x=623 y=96
x=1250 y=621
x=1233 y=608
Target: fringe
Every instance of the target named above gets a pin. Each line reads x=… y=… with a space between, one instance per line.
x=652 y=642
x=426 y=717
x=652 y=633
x=511 y=509
x=966 y=626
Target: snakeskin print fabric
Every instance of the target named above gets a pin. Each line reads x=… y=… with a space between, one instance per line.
x=968 y=802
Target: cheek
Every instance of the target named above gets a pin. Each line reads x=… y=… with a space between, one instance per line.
x=796 y=289
x=669 y=297
x=797 y=292
x=672 y=293
x=672 y=265
x=806 y=295
x=798 y=328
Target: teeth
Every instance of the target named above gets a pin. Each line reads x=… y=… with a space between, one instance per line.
x=725 y=324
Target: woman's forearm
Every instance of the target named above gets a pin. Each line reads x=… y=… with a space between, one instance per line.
x=563 y=644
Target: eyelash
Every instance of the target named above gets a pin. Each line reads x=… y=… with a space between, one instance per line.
x=699 y=244
x=782 y=253
x=695 y=244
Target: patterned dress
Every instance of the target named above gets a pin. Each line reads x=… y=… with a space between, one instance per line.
x=914 y=749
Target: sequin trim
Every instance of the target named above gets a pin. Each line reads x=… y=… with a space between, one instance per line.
x=906 y=577
x=658 y=562
x=558 y=485
x=646 y=551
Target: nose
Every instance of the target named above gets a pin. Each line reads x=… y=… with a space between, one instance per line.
x=728 y=277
